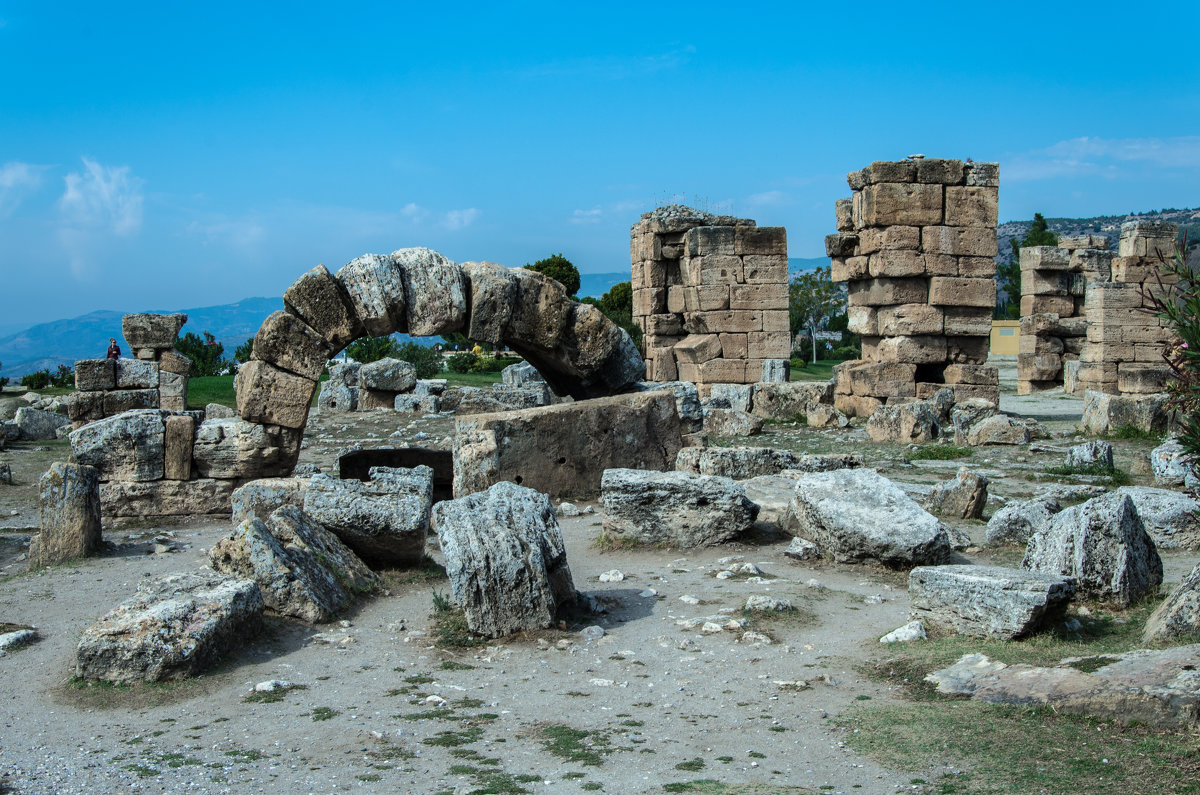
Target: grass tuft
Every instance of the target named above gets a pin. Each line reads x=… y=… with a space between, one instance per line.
x=939 y=452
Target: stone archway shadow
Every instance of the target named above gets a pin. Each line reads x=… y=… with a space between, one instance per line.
x=579 y=351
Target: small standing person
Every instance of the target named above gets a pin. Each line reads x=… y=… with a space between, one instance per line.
x=114 y=350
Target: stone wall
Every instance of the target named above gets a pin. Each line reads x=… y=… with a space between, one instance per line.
x=1054 y=281
x=710 y=295
x=916 y=246
x=1123 y=352
x=156 y=378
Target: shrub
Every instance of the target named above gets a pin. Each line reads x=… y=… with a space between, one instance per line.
x=462 y=362
x=427 y=361
x=64 y=377
x=371 y=349
x=37 y=380
x=559 y=268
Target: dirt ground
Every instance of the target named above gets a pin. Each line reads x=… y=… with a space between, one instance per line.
x=651 y=705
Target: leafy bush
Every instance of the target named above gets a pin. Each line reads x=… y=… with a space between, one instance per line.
x=1179 y=305
x=844 y=352
x=64 y=377
x=37 y=380
x=493 y=364
x=427 y=361
x=206 y=354
x=464 y=362
x=372 y=349
x=559 y=268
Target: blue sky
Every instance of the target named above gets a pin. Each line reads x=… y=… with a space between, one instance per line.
x=163 y=155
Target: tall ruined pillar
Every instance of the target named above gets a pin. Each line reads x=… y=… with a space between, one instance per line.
x=917 y=246
x=710 y=295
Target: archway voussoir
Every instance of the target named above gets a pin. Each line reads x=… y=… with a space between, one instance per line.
x=270 y=396
x=435 y=290
x=375 y=286
x=290 y=344
x=319 y=300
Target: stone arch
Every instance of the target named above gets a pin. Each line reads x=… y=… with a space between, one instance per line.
x=578 y=350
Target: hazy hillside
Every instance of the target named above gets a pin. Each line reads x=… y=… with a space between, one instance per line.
x=1107 y=225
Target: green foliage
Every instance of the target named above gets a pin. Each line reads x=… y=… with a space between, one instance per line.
x=37 y=380
x=813 y=300
x=1116 y=477
x=464 y=362
x=427 y=361
x=1179 y=305
x=206 y=354
x=559 y=268
x=1039 y=234
x=939 y=452
x=64 y=377
x=372 y=349
x=619 y=298
x=241 y=354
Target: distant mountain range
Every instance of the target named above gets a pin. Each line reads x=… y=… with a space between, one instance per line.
x=1107 y=225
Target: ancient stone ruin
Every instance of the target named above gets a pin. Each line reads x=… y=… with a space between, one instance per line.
x=916 y=246
x=1054 y=322
x=157 y=378
x=710 y=294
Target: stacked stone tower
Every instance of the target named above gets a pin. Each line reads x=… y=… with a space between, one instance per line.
x=916 y=246
x=1054 y=281
x=710 y=295
x=1123 y=352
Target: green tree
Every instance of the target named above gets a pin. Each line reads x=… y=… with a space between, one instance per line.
x=813 y=300
x=1039 y=234
x=206 y=354
x=242 y=353
x=617 y=306
x=559 y=268
x=427 y=361
x=372 y=349
x=463 y=362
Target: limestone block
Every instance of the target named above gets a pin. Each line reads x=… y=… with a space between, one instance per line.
x=1142 y=379
x=69 y=510
x=897 y=263
x=675 y=300
x=738 y=463
x=493 y=291
x=269 y=395
x=375 y=287
x=711 y=297
x=84 y=407
x=967 y=321
x=389 y=375
x=704 y=240
x=541 y=311
x=842 y=212
x=1016 y=521
x=915 y=350
x=1045 y=258
x=174 y=627
x=434 y=290
x=1178 y=615
x=899 y=204
x=980 y=267
x=842 y=244
x=1103 y=545
x=758 y=296
x=909 y=320
x=864 y=320
x=1039 y=367
x=738 y=396
x=998 y=429
x=136 y=374
x=37 y=424
x=562 y=450
x=987 y=174
x=989 y=601
x=675 y=508
x=884 y=379
x=940 y=171
x=152 y=331
x=890 y=171
x=853 y=515
x=781 y=401
x=856 y=405
x=258 y=499
x=775 y=320
x=962 y=497
x=287 y=342
x=972 y=206
x=719 y=269
x=172 y=391
x=889 y=238
x=728 y=423
x=733 y=346
x=773 y=371
x=768 y=345
x=959 y=241
x=843 y=269
x=1046 y=283
x=506 y=560
x=319 y=300
x=739 y=321
x=1104 y=413
x=907 y=423
x=179 y=432
x=95 y=374
x=234 y=449
x=384 y=520
x=962 y=291
x=971 y=374
x=667 y=325
x=885 y=292
x=723 y=371
x=145 y=354
x=173 y=361
x=149 y=498
x=128 y=446
x=1103 y=296
x=123 y=400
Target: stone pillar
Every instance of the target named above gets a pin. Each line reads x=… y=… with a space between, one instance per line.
x=1054 y=280
x=69 y=496
x=1125 y=341
x=916 y=245
x=710 y=295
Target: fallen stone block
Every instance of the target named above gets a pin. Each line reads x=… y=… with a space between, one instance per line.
x=967 y=413
x=174 y=627
x=738 y=463
x=785 y=400
x=1154 y=688
x=563 y=450
x=963 y=497
x=854 y=515
x=998 y=429
x=340 y=392
x=907 y=423
x=1017 y=521
x=676 y=508
x=258 y=499
x=737 y=396
x=129 y=446
x=506 y=559
x=388 y=375
x=384 y=520
x=1173 y=466
x=687 y=401
x=36 y=425
x=1090 y=454
x=148 y=498
x=731 y=422
x=1103 y=545
x=1178 y=615
x=69 y=508
x=1168 y=516
x=988 y=601
x=1103 y=413
x=234 y=449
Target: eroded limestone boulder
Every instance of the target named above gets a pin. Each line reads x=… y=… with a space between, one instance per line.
x=967 y=413
x=36 y=425
x=676 y=508
x=1090 y=454
x=731 y=422
x=435 y=290
x=854 y=515
x=1015 y=522
x=258 y=499
x=784 y=400
x=506 y=559
x=738 y=463
x=1103 y=545
x=147 y=498
x=340 y=392
x=375 y=286
x=1170 y=517
x=174 y=627
x=384 y=520
x=1172 y=465
x=1179 y=614
x=1103 y=413
x=237 y=449
x=290 y=344
x=687 y=401
x=69 y=505
x=128 y=446
x=493 y=292
x=988 y=601
x=963 y=497
x=907 y=423
x=998 y=429
x=157 y=332
x=388 y=375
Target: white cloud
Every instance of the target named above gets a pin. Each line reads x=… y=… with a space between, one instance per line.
x=107 y=198
x=770 y=198
x=16 y=180
x=241 y=234
x=591 y=216
x=414 y=212
x=1104 y=157
x=460 y=219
